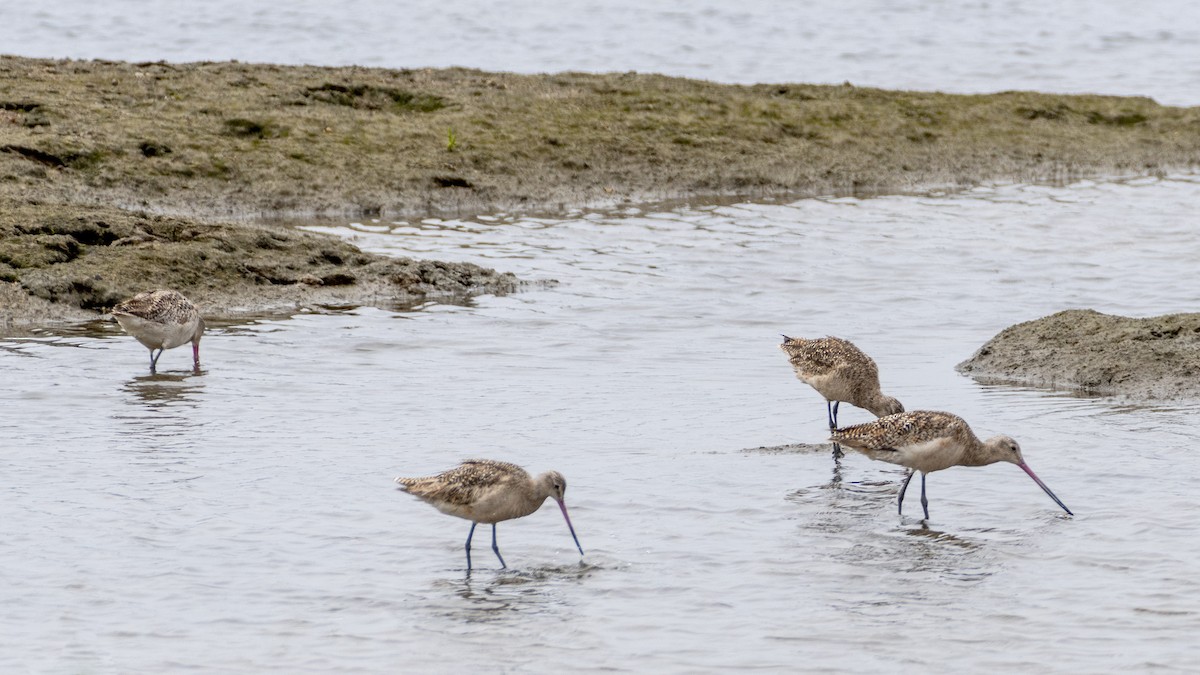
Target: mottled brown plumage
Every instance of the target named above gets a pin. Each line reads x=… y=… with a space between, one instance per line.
x=161 y=320
x=839 y=371
x=488 y=491
x=928 y=441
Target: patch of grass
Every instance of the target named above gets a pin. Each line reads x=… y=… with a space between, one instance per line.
x=371 y=97
x=452 y=181
x=152 y=149
x=19 y=106
x=799 y=131
x=86 y=231
x=1118 y=120
x=75 y=159
x=35 y=154
x=1055 y=113
x=247 y=128
x=35 y=120
x=38 y=251
x=218 y=169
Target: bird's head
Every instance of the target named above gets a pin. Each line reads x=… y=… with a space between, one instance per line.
x=1003 y=449
x=555 y=485
x=886 y=405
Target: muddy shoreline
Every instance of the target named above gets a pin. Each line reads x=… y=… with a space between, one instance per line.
x=1093 y=353
x=119 y=176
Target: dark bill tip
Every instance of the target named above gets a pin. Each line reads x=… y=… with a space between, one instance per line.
x=563 y=506
x=1047 y=490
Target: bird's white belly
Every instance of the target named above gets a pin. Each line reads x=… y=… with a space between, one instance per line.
x=155 y=335
x=490 y=508
x=832 y=387
x=929 y=456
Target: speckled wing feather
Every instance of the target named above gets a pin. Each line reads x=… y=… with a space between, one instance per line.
x=160 y=306
x=823 y=355
x=461 y=485
x=902 y=429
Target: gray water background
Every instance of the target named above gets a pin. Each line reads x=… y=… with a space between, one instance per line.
x=243 y=520
x=1148 y=48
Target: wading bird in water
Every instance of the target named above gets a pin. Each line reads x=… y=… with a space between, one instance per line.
x=487 y=491
x=839 y=371
x=162 y=320
x=929 y=441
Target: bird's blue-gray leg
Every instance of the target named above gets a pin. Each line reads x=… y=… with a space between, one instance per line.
x=469 y=535
x=154 y=360
x=903 y=488
x=497 y=548
x=831 y=408
x=924 y=502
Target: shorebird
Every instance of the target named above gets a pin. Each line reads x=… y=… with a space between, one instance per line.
x=928 y=441
x=487 y=491
x=161 y=320
x=839 y=371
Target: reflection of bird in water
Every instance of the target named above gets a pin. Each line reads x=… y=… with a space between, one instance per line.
x=487 y=491
x=164 y=390
x=839 y=371
x=161 y=320
x=931 y=441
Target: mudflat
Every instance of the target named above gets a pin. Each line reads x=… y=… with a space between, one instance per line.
x=1084 y=350
x=116 y=177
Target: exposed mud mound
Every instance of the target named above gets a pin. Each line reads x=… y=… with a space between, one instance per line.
x=59 y=262
x=1151 y=358
x=95 y=154
x=219 y=140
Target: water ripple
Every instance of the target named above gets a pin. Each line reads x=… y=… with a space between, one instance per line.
x=251 y=505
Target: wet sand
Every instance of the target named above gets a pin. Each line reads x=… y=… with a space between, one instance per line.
x=118 y=176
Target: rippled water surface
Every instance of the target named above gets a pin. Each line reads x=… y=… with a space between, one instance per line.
x=244 y=519
x=1148 y=48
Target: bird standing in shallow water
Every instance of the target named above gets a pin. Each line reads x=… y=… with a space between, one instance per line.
x=839 y=371
x=487 y=491
x=929 y=441
x=162 y=320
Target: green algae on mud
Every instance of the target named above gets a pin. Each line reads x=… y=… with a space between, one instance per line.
x=1084 y=350
x=94 y=155
x=235 y=139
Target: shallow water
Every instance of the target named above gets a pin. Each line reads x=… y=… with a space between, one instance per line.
x=244 y=519
x=1108 y=46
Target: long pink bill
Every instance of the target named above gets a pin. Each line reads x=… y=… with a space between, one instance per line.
x=571 y=527
x=1041 y=485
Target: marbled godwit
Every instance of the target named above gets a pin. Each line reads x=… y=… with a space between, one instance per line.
x=161 y=320
x=839 y=371
x=928 y=441
x=487 y=491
